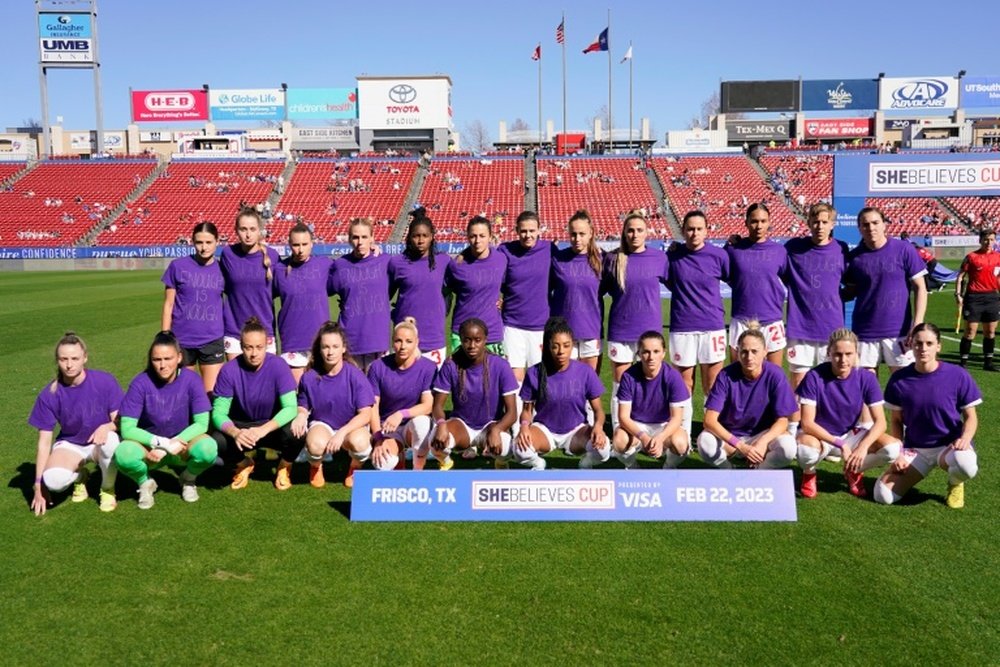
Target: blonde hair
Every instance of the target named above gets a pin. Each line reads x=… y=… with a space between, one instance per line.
x=753 y=330
x=407 y=323
x=68 y=338
x=822 y=207
x=621 y=257
x=842 y=334
x=365 y=222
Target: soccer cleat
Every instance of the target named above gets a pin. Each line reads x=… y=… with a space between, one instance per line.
x=589 y=460
x=189 y=492
x=349 y=480
x=146 y=491
x=242 y=475
x=500 y=463
x=80 y=486
x=316 y=478
x=630 y=462
x=470 y=453
x=956 y=496
x=856 y=483
x=808 y=489
x=107 y=502
x=538 y=464
x=283 y=477
x=963 y=362
x=990 y=367
x=446 y=463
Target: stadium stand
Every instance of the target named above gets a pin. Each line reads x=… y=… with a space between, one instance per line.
x=188 y=192
x=977 y=212
x=722 y=187
x=917 y=216
x=9 y=169
x=810 y=175
x=608 y=188
x=59 y=201
x=329 y=193
x=457 y=189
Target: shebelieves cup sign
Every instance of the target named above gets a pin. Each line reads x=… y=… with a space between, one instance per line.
x=574 y=495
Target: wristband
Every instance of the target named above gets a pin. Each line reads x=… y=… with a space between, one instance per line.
x=838 y=443
x=227 y=425
x=378 y=437
x=38 y=481
x=525 y=423
x=440 y=421
x=405 y=412
x=734 y=442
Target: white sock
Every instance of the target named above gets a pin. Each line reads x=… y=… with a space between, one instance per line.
x=882 y=494
x=362 y=456
x=962 y=465
x=882 y=457
x=105 y=455
x=793 y=428
x=780 y=453
x=59 y=479
x=614 y=405
x=673 y=459
x=688 y=416
x=526 y=457
x=711 y=451
x=808 y=458
x=389 y=463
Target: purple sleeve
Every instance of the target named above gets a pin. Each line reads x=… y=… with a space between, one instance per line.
x=718 y=393
x=133 y=402
x=224 y=385
x=808 y=389
x=197 y=395
x=303 y=398
x=115 y=394
x=968 y=391
x=871 y=392
x=595 y=388
x=285 y=380
x=169 y=276
x=332 y=283
x=724 y=264
x=914 y=265
x=530 y=385
x=362 y=390
x=626 y=388
x=43 y=416
x=375 y=377
x=508 y=383
x=677 y=391
x=892 y=395
x=785 y=404
x=445 y=379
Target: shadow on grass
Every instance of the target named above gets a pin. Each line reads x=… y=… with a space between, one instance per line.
x=341 y=506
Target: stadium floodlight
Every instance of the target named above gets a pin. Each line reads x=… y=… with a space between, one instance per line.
x=961 y=73
x=284 y=86
x=881 y=75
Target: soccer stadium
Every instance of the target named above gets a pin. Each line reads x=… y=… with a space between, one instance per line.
x=310 y=373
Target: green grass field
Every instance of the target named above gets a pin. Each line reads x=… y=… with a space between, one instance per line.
x=267 y=577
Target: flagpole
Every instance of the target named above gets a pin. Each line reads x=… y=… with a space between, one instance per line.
x=563 y=24
x=611 y=125
x=630 y=96
x=540 y=131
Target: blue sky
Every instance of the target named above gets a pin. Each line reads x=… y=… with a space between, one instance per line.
x=681 y=49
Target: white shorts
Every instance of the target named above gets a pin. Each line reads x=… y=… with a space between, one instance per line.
x=366 y=360
x=649 y=429
x=86 y=452
x=925 y=459
x=851 y=440
x=586 y=349
x=412 y=426
x=622 y=353
x=806 y=354
x=890 y=351
x=774 y=334
x=752 y=440
x=558 y=440
x=232 y=345
x=323 y=425
x=477 y=437
x=296 y=359
x=523 y=347
x=698 y=347
x=438 y=356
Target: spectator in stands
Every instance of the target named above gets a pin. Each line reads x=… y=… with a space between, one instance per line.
x=475 y=279
x=980 y=300
x=574 y=288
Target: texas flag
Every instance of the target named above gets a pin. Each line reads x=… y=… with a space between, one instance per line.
x=599 y=44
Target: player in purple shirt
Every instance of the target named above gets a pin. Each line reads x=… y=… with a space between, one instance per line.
x=482 y=388
x=335 y=405
x=300 y=282
x=556 y=393
x=697 y=317
x=529 y=260
x=932 y=408
x=401 y=418
x=475 y=278
x=253 y=407
x=84 y=404
x=164 y=418
x=632 y=275
x=880 y=274
x=652 y=402
x=193 y=307
x=248 y=267
x=416 y=279
x=574 y=288
x=361 y=280
x=756 y=264
x=747 y=410
x=832 y=400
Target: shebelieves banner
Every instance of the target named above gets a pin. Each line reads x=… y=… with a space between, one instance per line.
x=839 y=94
x=920 y=93
x=322 y=103
x=172 y=105
x=837 y=128
x=946 y=175
x=980 y=91
x=247 y=104
x=574 y=495
x=65 y=38
x=761 y=130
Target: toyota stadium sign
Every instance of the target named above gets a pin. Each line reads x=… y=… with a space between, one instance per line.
x=169 y=105
x=918 y=93
x=762 y=130
x=404 y=104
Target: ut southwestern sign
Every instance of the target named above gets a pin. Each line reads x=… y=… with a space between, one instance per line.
x=574 y=495
x=248 y=104
x=980 y=91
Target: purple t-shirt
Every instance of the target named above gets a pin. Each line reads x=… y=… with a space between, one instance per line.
x=881 y=279
x=839 y=401
x=248 y=291
x=335 y=399
x=652 y=399
x=471 y=403
x=695 y=299
x=196 y=318
x=747 y=407
x=755 y=275
x=419 y=294
x=398 y=388
x=527 y=278
x=476 y=286
x=575 y=293
x=567 y=394
x=255 y=393
x=165 y=409
x=813 y=276
x=363 y=288
x=304 y=303
x=78 y=410
x=636 y=310
x=932 y=403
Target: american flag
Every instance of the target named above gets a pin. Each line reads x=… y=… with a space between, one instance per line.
x=561 y=32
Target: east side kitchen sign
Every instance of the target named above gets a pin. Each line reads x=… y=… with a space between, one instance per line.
x=838 y=128
x=410 y=104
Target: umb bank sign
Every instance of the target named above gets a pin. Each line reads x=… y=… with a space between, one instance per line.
x=418 y=103
x=65 y=38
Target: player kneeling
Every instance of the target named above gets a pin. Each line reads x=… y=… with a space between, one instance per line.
x=747 y=410
x=652 y=398
x=560 y=388
x=832 y=398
